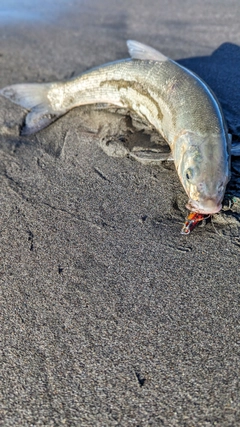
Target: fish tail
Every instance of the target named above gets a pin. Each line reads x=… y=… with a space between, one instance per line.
x=33 y=97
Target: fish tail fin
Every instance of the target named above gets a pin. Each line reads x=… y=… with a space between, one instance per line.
x=33 y=97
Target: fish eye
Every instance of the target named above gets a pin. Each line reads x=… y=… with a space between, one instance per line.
x=189 y=174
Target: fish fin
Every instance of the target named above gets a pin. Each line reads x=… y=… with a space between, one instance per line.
x=28 y=95
x=33 y=97
x=147 y=157
x=235 y=149
x=38 y=118
x=141 y=51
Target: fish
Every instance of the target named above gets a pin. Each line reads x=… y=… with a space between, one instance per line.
x=171 y=98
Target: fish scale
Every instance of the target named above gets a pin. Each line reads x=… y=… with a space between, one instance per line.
x=150 y=79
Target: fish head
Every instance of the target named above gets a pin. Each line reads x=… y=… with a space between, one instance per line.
x=203 y=167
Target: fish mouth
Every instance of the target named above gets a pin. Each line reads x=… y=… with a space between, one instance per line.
x=207 y=207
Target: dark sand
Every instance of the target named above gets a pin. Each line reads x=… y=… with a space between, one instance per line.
x=109 y=317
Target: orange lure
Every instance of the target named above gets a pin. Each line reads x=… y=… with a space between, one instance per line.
x=192 y=220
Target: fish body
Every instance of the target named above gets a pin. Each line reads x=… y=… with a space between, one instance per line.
x=176 y=102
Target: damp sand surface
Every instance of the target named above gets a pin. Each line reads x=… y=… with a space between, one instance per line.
x=108 y=315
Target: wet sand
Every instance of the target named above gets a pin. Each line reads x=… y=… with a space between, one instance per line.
x=109 y=317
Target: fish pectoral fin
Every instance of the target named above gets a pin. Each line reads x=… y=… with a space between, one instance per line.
x=141 y=51
x=147 y=157
x=235 y=149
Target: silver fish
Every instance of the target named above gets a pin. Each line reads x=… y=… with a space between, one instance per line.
x=174 y=100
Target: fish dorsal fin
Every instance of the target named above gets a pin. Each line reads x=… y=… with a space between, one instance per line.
x=141 y=51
